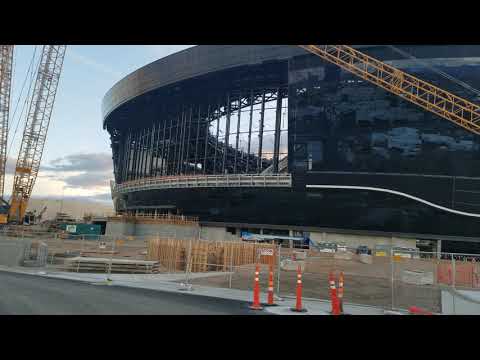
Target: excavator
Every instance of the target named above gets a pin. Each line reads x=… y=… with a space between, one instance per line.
x=421 y=93
x=36 y=127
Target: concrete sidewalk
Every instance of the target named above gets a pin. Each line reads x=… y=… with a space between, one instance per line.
x=169 y=283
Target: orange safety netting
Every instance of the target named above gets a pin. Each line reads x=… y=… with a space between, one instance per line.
x=466 y=274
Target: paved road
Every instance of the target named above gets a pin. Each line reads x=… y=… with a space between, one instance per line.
x=29 y=294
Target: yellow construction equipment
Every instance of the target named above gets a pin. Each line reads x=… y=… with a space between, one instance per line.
x=36 y=127
x=430 y=97
x=6 y=58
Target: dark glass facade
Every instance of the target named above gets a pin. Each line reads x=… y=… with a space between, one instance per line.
x=333 y=129
x=349 y=132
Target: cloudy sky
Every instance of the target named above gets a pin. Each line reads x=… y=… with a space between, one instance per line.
x=77 y=157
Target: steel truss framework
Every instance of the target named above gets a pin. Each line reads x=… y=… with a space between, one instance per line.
x=6 y=57
x=443 y=103
x=36 y=127
x=190 y=142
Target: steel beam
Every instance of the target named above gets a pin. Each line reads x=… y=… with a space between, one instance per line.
x=238 y=133
x=196 y=141
x=278 y=123
x=249 y=132
x=207 y=135
x=167 y=167
x=162 y=166
x=216 y=143
x=187 y=159
x=227 y=134
x=260 y=134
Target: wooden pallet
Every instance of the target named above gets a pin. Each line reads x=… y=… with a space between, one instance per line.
x=207 y=255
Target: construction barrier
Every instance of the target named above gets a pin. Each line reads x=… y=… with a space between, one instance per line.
x=298 y=305
x=414 y=310
x=270 y=301
x=340 y=291
x=333 y=295
x=466 y=274
x=256 y=291
x=174 y=254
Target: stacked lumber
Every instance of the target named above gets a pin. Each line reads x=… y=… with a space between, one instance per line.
x=208 y=255
x=102 y=265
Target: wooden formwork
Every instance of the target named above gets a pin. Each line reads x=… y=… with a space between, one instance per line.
x=208 y=255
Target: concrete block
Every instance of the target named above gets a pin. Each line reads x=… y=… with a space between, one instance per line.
x=290 y=265
x=12 y=251
x=417 y=277
x=343 y=255
x=299 y=255
x=366 y=259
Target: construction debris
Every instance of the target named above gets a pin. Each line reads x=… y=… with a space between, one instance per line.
x=417 y=277
x=366 y=259
x=104 y=265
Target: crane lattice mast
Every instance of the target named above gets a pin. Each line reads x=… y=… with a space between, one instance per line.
x=36 y=127
x=430 y=97
x=6 y=58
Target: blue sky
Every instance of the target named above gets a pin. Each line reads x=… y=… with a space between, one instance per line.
x=76 y=160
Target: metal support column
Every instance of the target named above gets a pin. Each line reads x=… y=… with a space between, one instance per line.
x=168 y=166
x=162 y=162
x=187 y=154
x=145 y=152
x=157 y=149
x=136 y=155
x=238 y=133
x=207 y=135
x=196 y=139
x=227 y=134
x=278 y=123
x=181 y=143
x=152 y=149
x=250 y=131
x=260 y=134
x=175 y=146
x=126 y=160
x=142 y=154
x=216 y=142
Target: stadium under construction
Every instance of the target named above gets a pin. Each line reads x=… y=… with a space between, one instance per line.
x=274 y=139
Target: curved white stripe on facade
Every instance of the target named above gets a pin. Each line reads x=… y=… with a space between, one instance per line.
x=395 y=193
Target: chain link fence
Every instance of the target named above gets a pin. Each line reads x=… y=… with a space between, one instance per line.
x=392 y=279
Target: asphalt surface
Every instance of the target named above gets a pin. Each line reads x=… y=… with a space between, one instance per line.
x=22 y=294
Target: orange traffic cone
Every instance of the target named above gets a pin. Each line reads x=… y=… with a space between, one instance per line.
x=340 y=291
x=256 y=291
x=333 y=295
x=417 y=311
x=270 y=288
x=298 y=306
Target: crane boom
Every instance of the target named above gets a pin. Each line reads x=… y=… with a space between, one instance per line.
x=36 y=127
x=6 y=57
x=428 y=96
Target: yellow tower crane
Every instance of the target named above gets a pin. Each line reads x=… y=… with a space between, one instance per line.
x=430 y=97
x=36 y=127
x=6 y=58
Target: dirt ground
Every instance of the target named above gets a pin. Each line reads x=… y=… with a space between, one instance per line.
x=369 y=284
x=364 y=283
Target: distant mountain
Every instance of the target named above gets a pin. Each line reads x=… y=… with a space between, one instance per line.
x=72 y=206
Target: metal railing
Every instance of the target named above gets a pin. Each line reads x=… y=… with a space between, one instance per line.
x=165 y=218
x=205 y=181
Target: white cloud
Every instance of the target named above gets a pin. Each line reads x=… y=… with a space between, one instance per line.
x=94 y=64
x=165 y=50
